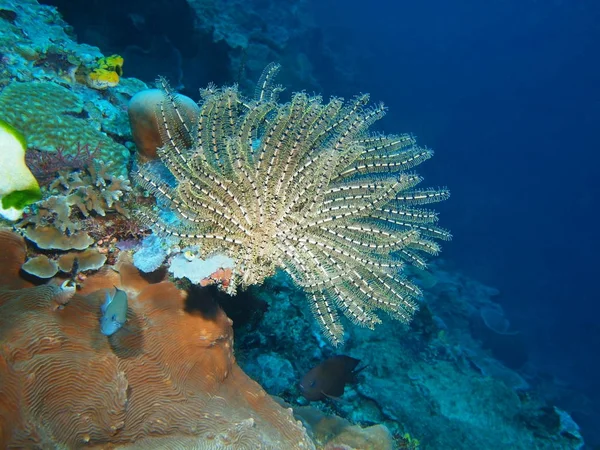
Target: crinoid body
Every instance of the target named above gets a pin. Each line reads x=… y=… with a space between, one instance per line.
x=302 y=186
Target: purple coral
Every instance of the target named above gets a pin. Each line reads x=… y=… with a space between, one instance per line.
x=45 y=165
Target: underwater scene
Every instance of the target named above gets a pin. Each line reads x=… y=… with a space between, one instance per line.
x=223 y=225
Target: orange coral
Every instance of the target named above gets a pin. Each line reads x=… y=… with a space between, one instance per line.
x=168 y=379
x=221 y=277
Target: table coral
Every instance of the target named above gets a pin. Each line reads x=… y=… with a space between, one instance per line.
x=41 y=266
x=168 y=379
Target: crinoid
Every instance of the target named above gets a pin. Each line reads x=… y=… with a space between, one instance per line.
x=302 y=186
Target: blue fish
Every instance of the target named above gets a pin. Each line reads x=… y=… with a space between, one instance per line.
x=114 y=312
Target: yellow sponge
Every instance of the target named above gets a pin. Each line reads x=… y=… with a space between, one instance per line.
x=18 y=186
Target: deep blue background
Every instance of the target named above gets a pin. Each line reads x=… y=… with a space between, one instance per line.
x=507 y=94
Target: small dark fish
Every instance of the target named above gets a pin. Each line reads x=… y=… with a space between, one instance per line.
x=329 y=378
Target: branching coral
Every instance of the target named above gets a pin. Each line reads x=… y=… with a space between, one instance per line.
x=56 y=221
x=301 y=186
x=46 y=165
x=92 y=190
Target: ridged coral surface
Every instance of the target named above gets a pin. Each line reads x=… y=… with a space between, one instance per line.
x=168 y=379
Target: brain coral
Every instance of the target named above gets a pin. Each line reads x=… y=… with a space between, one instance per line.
x=168 y=379
x=51 y=116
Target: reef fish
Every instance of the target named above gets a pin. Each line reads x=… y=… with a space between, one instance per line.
x=329 y=378
x=114 y=312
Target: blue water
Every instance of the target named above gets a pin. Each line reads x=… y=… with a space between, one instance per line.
x=507 y=93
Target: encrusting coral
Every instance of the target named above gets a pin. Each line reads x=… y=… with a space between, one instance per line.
x=70 y=263
x=48 y=116
x=302 y=186
x=335 y=433
x=107 y=73
x=168 y=379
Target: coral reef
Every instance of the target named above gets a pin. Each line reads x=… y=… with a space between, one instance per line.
x=435 y=380
x=334 y=433
x=107 y=73
x=168 y=377
x=34 y=44
x=47 y=115
x=58 y=221
x=79 y=226
x=39 y=58
x=167 y=380
x=301 y=186
x=45 y=166
x=264 y=31
x=76 y=203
